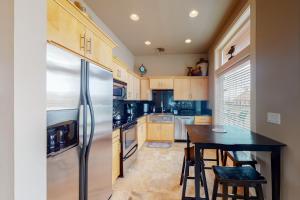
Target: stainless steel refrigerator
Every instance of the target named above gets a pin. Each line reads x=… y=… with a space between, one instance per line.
x=79 y=128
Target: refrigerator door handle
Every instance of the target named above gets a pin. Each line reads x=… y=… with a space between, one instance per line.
x=83 y=106
x=90 y=139
x=92 y=113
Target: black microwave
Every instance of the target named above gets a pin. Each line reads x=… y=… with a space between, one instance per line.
x=119 y=90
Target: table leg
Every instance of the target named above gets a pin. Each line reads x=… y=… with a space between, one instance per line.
x=275 y=165
x=197 y=172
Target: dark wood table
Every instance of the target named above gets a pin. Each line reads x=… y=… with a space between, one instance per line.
x=235 y=139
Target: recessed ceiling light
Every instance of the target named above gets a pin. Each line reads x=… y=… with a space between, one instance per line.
x=147 y=43
x=134 y=17
x=193 y=13
x=188 y=41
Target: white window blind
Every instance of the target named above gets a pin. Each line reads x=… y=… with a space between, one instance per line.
x=233 y=96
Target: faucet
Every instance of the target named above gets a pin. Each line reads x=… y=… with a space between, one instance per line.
x=162 y=106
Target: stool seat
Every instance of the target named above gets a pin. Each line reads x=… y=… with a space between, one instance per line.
x=230 y=174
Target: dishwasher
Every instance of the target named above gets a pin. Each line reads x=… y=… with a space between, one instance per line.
x=180 y=130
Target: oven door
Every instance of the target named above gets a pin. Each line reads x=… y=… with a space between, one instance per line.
x=130 y=147
x=129 y=139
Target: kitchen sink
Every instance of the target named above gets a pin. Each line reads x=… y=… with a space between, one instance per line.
x=161 y=118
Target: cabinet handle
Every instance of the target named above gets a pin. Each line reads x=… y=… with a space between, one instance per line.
x=82 y=41
x=89 y=46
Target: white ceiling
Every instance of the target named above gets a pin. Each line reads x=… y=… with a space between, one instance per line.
x=166 y=23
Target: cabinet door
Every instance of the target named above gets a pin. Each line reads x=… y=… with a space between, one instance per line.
x=116 y=150
x=123 y=74
x=137 y=88
x=167 y=132
x=141 y=132
x=64 y=29
x=155 y=83
x=182 y=89
x=153 y=133
x=199 y=89
x=97 y=50
x=130 y=93
x=167 y=84
x=144 y=132
x=145 y=91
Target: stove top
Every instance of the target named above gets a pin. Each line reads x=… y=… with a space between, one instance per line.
x=123 y=123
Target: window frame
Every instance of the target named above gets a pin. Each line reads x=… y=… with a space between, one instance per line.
x=248 y=53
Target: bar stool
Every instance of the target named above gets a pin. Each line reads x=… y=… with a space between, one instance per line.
x=189 y=161
x=245 y=177
x=217 y=159
x=239 y=158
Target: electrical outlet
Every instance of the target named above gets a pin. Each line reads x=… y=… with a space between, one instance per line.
x=273 y=118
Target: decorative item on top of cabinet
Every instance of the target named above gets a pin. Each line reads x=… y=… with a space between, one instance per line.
x=162 y=83
x=73 y=30
x=142 y=70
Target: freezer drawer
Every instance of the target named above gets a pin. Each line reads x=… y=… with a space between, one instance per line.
x=63 y=176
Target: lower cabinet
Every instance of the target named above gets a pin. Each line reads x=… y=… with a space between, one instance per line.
x=141 y=134
x=160 y=132
x=116 y=150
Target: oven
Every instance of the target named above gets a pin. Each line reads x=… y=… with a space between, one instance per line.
x=119 y=90
x=129 y=145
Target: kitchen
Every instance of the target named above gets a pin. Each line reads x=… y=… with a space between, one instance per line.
x=124 y=84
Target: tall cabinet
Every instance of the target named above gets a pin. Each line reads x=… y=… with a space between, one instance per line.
x=71 y=29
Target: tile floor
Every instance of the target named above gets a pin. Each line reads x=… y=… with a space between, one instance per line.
x=155 y=175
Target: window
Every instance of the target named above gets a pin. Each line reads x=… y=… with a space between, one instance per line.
x=233 y=96
x=233 y=76
x=240 y=40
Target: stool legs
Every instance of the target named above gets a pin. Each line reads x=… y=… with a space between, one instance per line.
x=186 y=174
x=182 y=171
x=246 y=193
x=225 y=191
x=203 y=178
x=215 y=190
x=259 y=192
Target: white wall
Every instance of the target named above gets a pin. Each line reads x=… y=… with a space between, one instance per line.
x=23 y=100
x=121 y=51
x=6 y=102
x=172 y=64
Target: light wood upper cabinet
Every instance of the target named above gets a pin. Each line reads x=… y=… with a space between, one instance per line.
x=97 y=50
x=191 y=88
x=182 y=89
x=146 y=94
x=199 y=89
x=69 y=28
x=161 y=84
x=133 y=87
x=64 y=29
x=119 y=70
